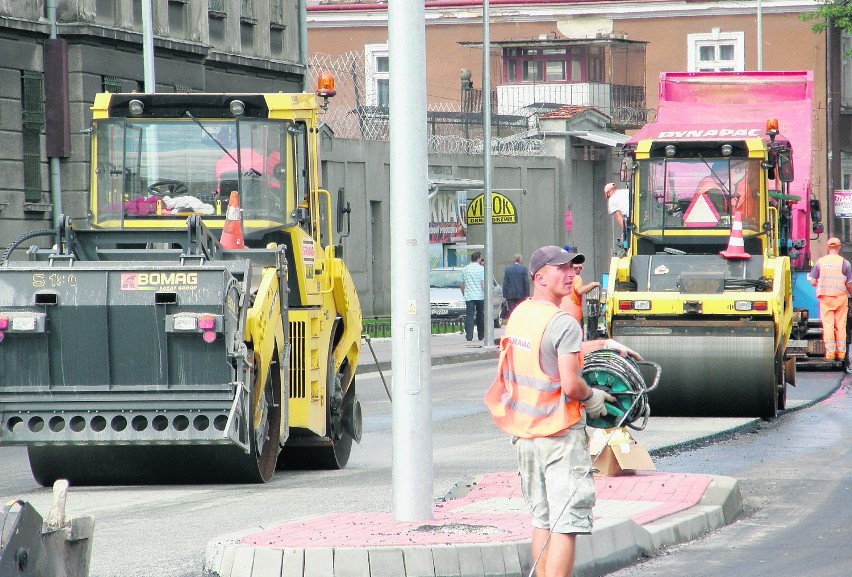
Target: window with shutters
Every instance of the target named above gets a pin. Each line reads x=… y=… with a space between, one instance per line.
x=32 y=106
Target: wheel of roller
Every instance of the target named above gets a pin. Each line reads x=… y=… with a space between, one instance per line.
x=331 y=452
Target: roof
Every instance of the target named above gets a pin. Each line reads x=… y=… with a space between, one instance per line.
x=568 y=111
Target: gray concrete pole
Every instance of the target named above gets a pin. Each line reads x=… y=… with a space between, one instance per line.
x=53 y=162
x=148 y=46
x=486 y=167
x=303 y=42
x=409 y=214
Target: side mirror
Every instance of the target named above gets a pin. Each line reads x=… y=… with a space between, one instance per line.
x=626 y=169
x=785 y=165
x=816 y=216
x=343 y=209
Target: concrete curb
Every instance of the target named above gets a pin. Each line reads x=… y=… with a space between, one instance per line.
x=614 y=543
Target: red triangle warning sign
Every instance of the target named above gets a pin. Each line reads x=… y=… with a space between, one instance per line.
x=700 y=213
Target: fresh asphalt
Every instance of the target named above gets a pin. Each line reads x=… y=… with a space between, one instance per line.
x=482 y=527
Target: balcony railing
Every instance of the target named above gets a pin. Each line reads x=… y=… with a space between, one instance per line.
x=625 y=104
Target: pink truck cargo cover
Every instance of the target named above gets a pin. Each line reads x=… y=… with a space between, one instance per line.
x=697 y=102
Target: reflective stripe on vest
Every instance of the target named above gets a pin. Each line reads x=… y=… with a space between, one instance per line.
x=524 y=400
x=831 y=280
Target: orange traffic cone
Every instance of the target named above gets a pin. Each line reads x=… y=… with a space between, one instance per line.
x=736 y=249
x=232 y=231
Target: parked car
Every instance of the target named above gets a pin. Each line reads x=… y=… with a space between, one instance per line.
x=446 y=299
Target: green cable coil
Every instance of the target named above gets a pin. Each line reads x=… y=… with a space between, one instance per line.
x=620 y=377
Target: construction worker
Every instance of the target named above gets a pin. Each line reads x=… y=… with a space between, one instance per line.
x=832 y=277
x=540 y=398
x=573 y=303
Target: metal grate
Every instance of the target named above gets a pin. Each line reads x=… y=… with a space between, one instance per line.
x=32 y=92
x=32 y=105
x=111 y=84
x=297 y=360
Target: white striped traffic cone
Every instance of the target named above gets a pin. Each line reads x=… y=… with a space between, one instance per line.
x=232 y=230
x=736 y=248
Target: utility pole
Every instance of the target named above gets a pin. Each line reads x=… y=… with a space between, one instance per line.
x=411 y=327
x=486 y=166
x=148 y=46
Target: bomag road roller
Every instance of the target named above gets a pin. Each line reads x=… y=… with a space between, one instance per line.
x=200 y=325
x=704 y=288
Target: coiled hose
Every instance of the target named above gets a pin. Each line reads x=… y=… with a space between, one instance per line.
x=32 y=234
x=620 y=377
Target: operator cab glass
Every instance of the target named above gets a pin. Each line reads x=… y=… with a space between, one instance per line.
x=694 y=194
x=160 y=170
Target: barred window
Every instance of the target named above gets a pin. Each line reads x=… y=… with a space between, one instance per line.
x=32 y=105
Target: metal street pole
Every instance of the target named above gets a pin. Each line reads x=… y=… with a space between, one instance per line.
x=759 y=35
x=411 y=354
x=486 y=164
x=148 y=46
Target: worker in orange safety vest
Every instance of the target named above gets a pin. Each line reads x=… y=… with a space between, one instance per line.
x=573 y=303
x=832 y=277
x=540 y=398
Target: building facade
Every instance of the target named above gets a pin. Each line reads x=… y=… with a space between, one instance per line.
x=608 y=55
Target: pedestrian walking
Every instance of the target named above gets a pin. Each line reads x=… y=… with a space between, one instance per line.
x=516 y=284
x=473 y=289
x=540 y=398
x=832 y=277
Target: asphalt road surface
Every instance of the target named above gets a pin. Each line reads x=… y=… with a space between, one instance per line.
x=163 y=530
x=796 y=478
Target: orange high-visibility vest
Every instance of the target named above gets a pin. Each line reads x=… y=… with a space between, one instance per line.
x=831 y=280
x=524 y=400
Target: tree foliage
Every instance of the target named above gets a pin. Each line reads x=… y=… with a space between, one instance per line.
x=836 y=13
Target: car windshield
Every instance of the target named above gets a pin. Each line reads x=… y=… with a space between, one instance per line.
x=445 y=278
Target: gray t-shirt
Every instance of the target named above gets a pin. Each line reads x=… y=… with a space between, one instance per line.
x=562 y=335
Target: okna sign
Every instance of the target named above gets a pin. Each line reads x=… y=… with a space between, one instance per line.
x=502 y=210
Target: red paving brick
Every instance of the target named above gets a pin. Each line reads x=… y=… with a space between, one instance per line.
x=669 y=492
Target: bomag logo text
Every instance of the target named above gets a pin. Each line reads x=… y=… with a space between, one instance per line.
x=159 y=281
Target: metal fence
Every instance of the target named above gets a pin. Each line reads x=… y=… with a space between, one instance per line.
x=380 y=327
x=453 y=126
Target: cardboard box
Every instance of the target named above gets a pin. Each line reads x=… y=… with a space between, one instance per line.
x=621 y=454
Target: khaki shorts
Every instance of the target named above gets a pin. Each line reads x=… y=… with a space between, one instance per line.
x=556 y=481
